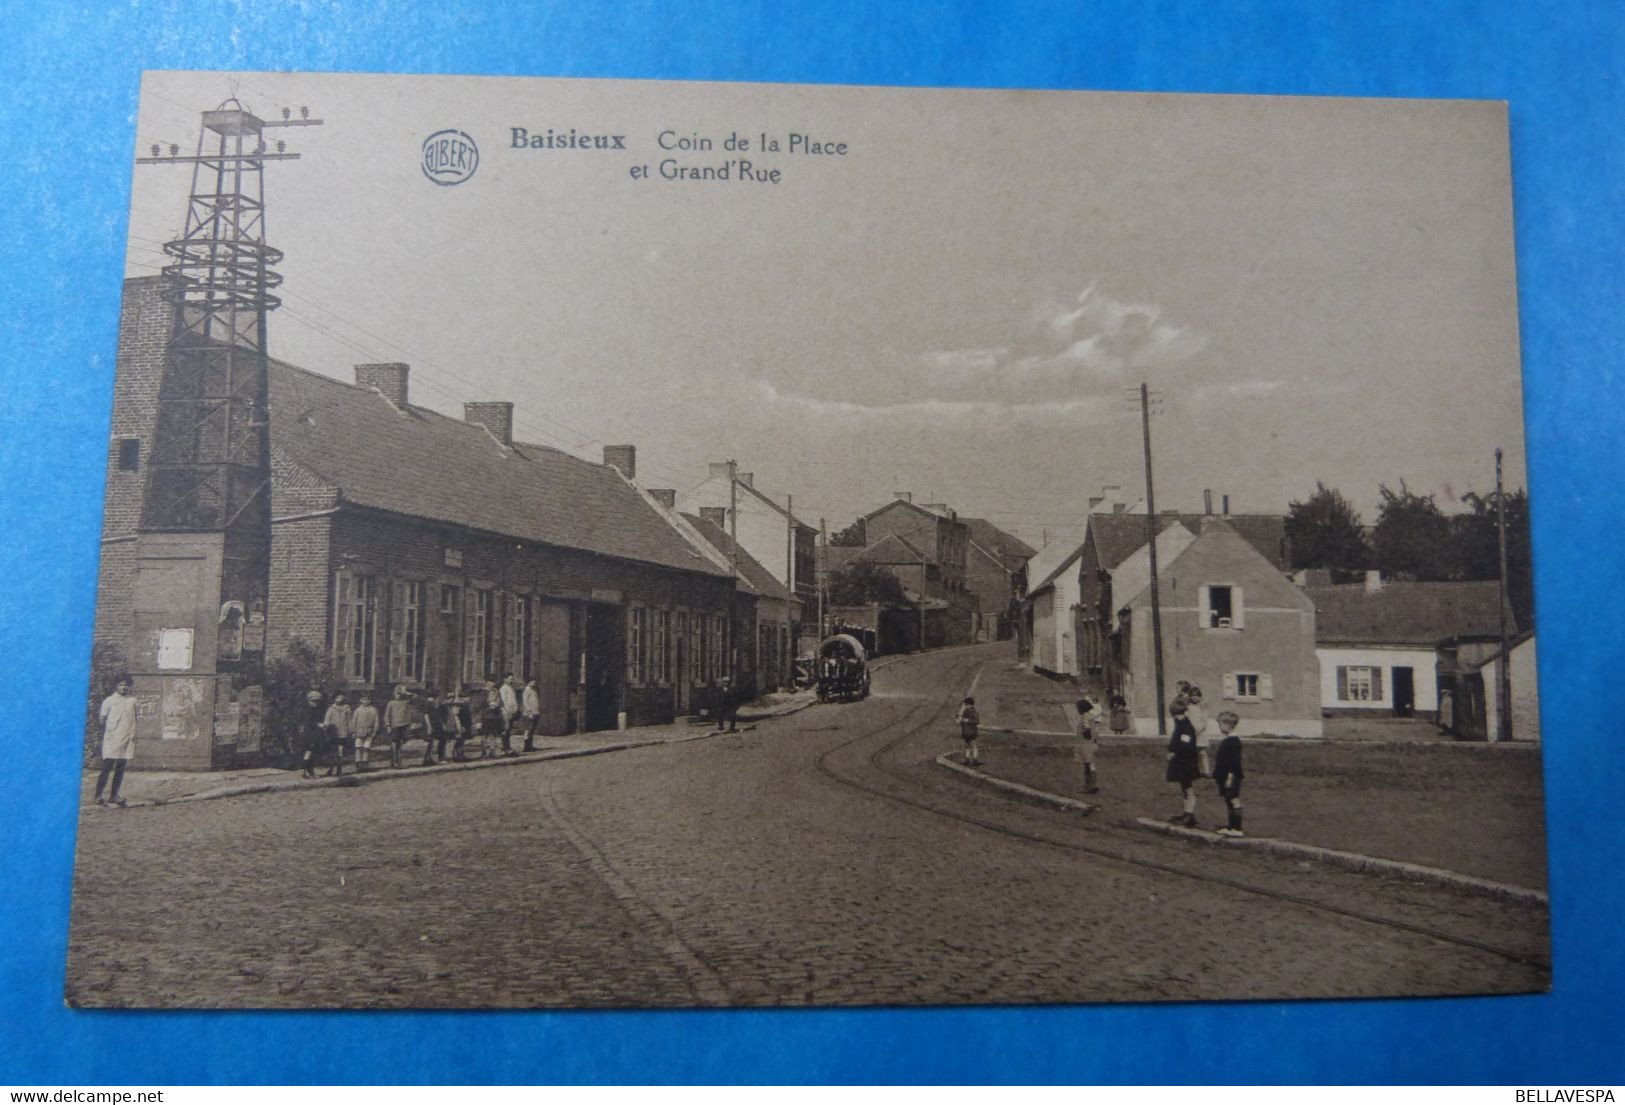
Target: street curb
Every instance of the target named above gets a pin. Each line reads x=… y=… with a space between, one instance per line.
x=778 y=711
x=1044 y=796
x=1355 y=861
x=383 y=774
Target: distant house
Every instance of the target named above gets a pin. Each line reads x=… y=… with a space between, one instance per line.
x=781 y=543
x=992 y=564
x=765 y=640
x=1378 y=641
x=1051 y=593
x=1234 y=625
x=1114 y=563
x=927 y=548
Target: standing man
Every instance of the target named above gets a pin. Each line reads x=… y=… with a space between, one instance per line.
x=508 y=695
x=117 y=714
x=363 y=728
x=531 y=706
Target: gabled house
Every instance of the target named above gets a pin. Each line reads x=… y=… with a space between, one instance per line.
x=1115 y=564
x=765 y=632
x=780 y=542
x=1379 y=640
x=1234 y=625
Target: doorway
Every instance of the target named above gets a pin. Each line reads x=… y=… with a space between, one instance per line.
x=606 y=663
x=1404 y=692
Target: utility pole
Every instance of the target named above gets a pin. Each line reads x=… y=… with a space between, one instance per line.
x=823 y=569
x=1151 y=543
x=733 y=566
x=789 y=580
x=1503 y=683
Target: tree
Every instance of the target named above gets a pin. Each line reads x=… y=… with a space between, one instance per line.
x=860 y=582
x=1324 y=531
x=1412 y=538
x=1477 y=553
x=852 y=537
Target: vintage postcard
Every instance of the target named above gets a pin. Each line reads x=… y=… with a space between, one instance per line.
x=641 y=544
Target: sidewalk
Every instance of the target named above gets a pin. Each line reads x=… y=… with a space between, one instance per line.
x=1428 y=803
x=155 y=788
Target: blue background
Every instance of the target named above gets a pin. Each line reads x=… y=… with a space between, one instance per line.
x=66 y=121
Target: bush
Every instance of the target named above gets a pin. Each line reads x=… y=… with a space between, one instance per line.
x=287 y=679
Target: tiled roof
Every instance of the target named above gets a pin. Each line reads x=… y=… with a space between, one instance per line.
x=1403 y=613
x=1118 y=535
x=423 y=464
x=1049 y=561
x=998 y=542
x=751 y=572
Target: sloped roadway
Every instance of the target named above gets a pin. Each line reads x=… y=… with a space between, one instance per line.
x=819 y=859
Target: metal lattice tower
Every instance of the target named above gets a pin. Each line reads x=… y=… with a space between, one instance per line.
x=204 y=539
x=209 y=466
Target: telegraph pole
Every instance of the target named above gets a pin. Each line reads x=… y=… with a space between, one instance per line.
x=733 y=566
x=823 y=567
x=789 y=583
x=1151 y=543
x=1503 y=683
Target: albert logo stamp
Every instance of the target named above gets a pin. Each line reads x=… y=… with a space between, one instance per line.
x=450 y=157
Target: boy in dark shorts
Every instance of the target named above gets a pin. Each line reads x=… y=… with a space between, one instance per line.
x=1184 y=765
x=1227 y=772
x=967 y=731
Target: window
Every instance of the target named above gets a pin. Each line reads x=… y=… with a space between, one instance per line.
x=448 y=598
x=660 y=652
x=637 y=645
x=719 y=629
x=129 y=454
x=520 y=654
x=481 y=635
x=1358 y=683
x=406 y=636
x=1221 y=606
x=1248 y=686
x=355 y=625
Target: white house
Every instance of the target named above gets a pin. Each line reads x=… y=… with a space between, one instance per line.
x=1378 y=641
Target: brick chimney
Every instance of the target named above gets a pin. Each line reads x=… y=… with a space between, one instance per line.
x=494 y=416
x=1207 y=500
x=624 y=458
x=665 y=496
x=388 y=379
x=716 y=515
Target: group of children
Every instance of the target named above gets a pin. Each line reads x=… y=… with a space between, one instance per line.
x=1187 y=749
x=1188 y=758
x=491 y=712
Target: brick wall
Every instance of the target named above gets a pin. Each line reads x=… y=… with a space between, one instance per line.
x=144 y=324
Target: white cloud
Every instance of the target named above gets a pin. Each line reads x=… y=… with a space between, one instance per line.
x=940 y=410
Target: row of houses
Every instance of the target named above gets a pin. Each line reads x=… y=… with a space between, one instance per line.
x=960 y=576
x=409 y=547
x=1284 y=651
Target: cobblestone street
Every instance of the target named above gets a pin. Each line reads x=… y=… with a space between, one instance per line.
x=741 y=869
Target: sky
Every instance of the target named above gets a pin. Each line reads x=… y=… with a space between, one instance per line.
x=961 y=304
